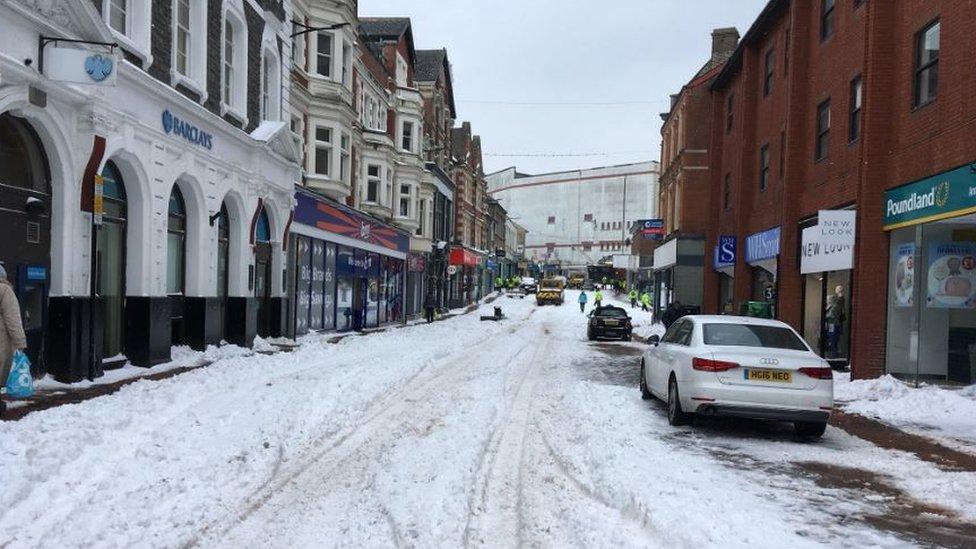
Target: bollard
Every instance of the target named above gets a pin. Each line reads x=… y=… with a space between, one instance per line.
x=498 y=312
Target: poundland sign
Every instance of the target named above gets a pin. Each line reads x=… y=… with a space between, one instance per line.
x=948 y=194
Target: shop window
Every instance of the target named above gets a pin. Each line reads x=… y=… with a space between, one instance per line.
x=927 y=63
x=110 y=257
x=823 y=131
x=826 y=19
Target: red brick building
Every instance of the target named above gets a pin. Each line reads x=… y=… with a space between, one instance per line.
x=863 y=107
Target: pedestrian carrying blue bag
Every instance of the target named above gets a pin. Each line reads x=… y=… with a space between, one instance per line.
x=20 y=383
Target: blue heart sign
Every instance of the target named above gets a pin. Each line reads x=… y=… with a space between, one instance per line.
x=99 y=67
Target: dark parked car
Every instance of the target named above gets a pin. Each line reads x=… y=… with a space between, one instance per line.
x=610 y=322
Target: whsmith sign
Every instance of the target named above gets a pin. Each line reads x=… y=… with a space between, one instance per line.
x=948 y=194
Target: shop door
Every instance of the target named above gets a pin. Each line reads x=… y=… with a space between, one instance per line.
x=827 y=314
x=25 y=222
x=262 y=286
x=110 y=265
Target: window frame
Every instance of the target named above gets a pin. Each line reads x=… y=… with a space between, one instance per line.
x=821 y=147
x=404 y=196
x=856 y=104
x=769 y=61
x=764 y=167
x=920 y=68
x=378 y=179
x=270 y=85
x=407 y=137
x=828 y=22
x=330 y=54
x=180 y=230
x=326 y=146
x=233 y=67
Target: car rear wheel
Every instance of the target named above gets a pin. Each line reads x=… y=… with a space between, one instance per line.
x=808 y=429
x=645 y=394
x=676 y=416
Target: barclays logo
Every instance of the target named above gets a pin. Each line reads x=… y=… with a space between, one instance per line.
x=99 y=67
x=172 y=124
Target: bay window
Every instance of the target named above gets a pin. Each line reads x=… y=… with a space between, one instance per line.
x=323 y=57
x=406 y=139
x=323 y=150
x=373 y=182
x=405 y=199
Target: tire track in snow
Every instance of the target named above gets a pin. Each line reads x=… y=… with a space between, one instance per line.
x=391 y=409
x=495 y=506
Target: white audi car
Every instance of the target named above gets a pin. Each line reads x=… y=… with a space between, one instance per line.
x=740 y=367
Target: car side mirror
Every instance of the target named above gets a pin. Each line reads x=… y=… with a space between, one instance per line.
x=654 y=340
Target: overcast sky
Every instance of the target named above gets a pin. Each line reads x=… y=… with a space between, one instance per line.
x=566 y=51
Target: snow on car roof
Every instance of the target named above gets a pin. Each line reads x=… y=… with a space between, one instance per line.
x=730 y=319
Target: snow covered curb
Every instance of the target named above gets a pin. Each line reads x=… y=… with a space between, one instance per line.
x=930 y=410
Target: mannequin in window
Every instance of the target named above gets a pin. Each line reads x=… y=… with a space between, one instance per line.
x=836 y=305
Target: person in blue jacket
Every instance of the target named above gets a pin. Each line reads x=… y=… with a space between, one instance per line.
x=582 y=301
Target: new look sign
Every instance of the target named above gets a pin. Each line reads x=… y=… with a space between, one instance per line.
x=829 y=245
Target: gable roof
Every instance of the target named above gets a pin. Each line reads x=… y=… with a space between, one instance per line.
x=388 y=29
x=428 y=68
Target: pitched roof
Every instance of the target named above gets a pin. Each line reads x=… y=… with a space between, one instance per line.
x=429 y=63
x=384 y=27
x=757 y=31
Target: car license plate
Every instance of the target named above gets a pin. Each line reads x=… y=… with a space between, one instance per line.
x=775 y=376
x=611 y=322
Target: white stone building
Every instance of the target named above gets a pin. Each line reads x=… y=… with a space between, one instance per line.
x=575 y=218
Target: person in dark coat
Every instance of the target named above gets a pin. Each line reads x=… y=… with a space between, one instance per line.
x=429 y=305
x=671 y=314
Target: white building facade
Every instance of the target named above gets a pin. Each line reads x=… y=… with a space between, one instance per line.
x=195 y=165
x=576 y=218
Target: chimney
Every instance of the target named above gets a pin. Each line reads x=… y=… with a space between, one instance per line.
x=724 y=42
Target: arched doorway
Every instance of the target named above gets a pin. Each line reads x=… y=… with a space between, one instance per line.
x=176 y=263
x=25 y=223
x=110 y=261
x=262 y=271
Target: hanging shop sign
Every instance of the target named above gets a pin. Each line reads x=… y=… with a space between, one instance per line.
x=175 y=125
x=949 y=194
x=332 y=217
x=952 y=276
x=461 y=256
x=762 y=246
x=416 y=263
x=724 y=253
x=80 y=66
x=651 y=229
x=829 y=245
x=904 y=286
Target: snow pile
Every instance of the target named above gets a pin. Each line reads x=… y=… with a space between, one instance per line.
x=932 y=409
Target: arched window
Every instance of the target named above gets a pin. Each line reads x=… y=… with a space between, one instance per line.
x=22 y=160
x=110 y=273
x=223 y=251
x=262 y=230
x=176 y=243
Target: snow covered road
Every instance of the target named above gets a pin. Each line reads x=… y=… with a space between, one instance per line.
x=460 y=433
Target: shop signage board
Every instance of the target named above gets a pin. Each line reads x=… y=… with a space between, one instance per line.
x=175 y=125
x=763 y=245
x=666 y=255
x=725 y=251
x=651 y=229
x=951 y=280
x=949 y=194
x=346 y=222
x=80 y=66
x=460 y=256
x=829 y=245
x=904 y=286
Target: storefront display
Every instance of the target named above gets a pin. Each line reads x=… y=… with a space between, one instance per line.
x=826 y=262
x=762 y=254
x=931 y=331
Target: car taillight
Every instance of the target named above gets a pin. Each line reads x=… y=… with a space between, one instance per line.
x=818 y=373
x=708 y=365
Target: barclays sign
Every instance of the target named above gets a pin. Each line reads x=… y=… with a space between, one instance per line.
x=172 y=124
